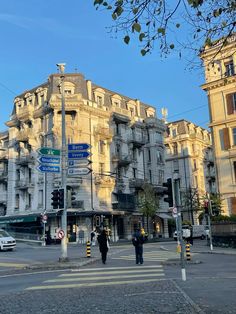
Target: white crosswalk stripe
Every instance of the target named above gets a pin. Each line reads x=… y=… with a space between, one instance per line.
x=92 y=277
x=157 y=256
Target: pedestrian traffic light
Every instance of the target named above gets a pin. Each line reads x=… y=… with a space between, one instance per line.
x=55 y=199
x=73 y=199
x=61 y=199
x=168 y=192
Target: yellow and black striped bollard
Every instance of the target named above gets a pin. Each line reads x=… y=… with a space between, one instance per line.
x=188 y=254
x=88 y=249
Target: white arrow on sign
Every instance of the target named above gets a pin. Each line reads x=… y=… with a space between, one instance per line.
x=79 y=163
x=79 y=171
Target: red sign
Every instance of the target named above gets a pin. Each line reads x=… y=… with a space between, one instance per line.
x=60 y=234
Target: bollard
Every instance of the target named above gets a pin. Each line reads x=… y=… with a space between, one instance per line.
x=178 y=248
x=188 y=255
x=88 y=249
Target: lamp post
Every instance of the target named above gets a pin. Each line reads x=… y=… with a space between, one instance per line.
x=63 y=258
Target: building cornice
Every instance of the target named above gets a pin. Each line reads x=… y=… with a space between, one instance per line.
x=219 y=83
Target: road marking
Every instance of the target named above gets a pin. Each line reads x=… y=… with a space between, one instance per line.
x=137 y=270
x=115 y=268
x=92 y=284
x=13 y=265
x=102 y=277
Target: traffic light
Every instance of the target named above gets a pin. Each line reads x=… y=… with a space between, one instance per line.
x=61 y=198
x=215 y=210
x=55 y=199
x=73 y=199
x=168 y=192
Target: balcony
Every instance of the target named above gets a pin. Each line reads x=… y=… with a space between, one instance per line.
x=3 y=177
x=104 y=132
x=125 y=202
x=24 y=184
x=121 y=160
x=121 y=117
x=24 y=135
x=103 y=180
x=3 y=197
x=137 y=140
x=136 y=183
x=24 y=160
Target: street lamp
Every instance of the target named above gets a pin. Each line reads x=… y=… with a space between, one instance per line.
x=61 y=69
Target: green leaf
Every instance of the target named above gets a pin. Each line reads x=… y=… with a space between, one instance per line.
x=161 y=30
x=143 y=52
x=177 y=25
x=136 y=27
x=109 y=7
x=105 y=4
x=135 y=11
x=97 y=2
x=119 y=11
x=172 y=46
x=141 y=36
x=126 y=39
x=114 y=16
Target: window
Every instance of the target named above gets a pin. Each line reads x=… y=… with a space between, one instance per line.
x=30 y=175
x=160 y=176
x=68 y=92
x=99 y=101
x=132 y=112
x=231 y=103
x=234 y=164
x=149 y=155
x=101 y=168
x=101 y=147
x=150 y=176
x=174 y=132
x=41 y=197
x=175 y=148
x=17 y=201
x=159 y=157
x=134 y=172
x=194 y=164
x=229 y=68
x=176 y=165
x=234 y=136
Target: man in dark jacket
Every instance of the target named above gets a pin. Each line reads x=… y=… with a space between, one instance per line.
x=138 y=241
x=103 y=245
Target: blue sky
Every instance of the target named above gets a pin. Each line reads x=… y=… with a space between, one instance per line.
x=38 y=34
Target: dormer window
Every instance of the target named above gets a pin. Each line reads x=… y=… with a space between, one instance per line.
x=116 y=101
x=99 y=101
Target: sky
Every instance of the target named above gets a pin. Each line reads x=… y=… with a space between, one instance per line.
x=38 y=34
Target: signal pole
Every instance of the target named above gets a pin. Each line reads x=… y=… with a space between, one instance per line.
x=63 y=258
x=179 y=228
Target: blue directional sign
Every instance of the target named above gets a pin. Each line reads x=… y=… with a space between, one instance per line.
x=78 y=155
x=78 y=147
x=45 y=168
x=49 y=160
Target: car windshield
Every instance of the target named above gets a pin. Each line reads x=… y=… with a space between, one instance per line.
x=3 y=234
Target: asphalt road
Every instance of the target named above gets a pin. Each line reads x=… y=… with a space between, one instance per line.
x=120 y=286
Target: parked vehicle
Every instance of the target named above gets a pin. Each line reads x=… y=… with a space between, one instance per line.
x=198 y=231
x=7 y=242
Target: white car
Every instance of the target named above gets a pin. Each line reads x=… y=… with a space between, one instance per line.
x=7 y=242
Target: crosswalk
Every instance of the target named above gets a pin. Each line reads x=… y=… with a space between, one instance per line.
x=105 y=276
x=151 y=256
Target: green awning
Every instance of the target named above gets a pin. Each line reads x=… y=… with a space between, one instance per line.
x=18 y=219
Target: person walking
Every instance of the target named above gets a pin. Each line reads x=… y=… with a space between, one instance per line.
x=103 y=245
x=138 y=240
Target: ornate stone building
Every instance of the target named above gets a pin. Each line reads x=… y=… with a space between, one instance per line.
x=127 y=149
x=220 y=74
x=189 y=159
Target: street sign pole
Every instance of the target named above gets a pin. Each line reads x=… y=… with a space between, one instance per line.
x=63 y=258
x=179 y=228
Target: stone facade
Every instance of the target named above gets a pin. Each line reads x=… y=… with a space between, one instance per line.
x=220 y=75
x=127 y=149
x=189 y=159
